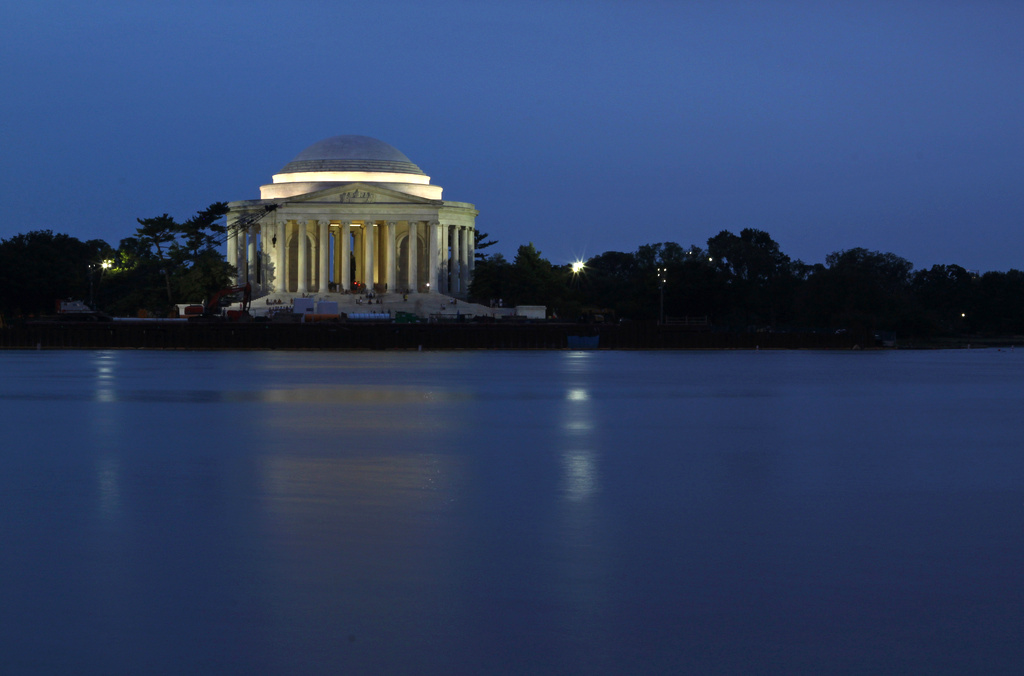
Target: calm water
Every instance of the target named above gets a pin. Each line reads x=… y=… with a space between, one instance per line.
x=522 y=513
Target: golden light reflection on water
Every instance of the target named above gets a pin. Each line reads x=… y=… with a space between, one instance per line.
x=362 y=395
x=380 y=521
x=376 y=487
x=334 y=411
x=357 y=494
x=359 y=457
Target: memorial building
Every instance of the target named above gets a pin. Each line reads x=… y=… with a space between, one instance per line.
x=351 y=214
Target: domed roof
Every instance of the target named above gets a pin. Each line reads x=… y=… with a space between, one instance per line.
x=351 y=153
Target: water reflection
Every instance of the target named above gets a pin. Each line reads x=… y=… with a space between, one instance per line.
x=105 y=363
x=106 y=430
x=354 y=544
x=532 y=513
x=580 y=473
x=108 y=472
x=584 y=555
x=362 y=395
x=365 y=493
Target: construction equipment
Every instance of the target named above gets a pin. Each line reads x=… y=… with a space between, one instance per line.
x=77 y=311
x=212 y=309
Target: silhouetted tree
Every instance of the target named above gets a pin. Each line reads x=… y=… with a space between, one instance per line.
x=612 y=280
x=534 y=280
x=481 y=242
x=945 y=298
x=999 y=306
x=492 y=280
x=757 y=275
x=863 y=289
x=39 y=268
x=156 y=237
x=185 y=255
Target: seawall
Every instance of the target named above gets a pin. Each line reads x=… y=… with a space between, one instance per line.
x=369 y=336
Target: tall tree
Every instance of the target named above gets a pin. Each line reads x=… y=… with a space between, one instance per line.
x=492 y=280
x=158 y=236
x=481 y=242
x=187 y=253
x=864 y=289
x=534 y=279
x=203 y=232
x=945 y=296
x=755 y=270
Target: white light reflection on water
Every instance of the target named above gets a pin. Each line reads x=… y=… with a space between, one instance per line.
x=584 y=555
x=106 y=430
x=105 y=368
x=578 y=425
x=578 y=461
x=108 y=486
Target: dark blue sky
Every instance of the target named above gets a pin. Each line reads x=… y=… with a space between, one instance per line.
x=582 y=126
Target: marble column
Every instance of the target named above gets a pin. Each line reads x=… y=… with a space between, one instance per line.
x=464 y=236
x=280 y=246
x=241 y=265
x=301 y=242
x=345 y=249
x=392 y=276
x=336 y=253
x=357 y=251
x=433 y=255
x=369 y=253
x=443 y=272
x=325 y=252
x=413 y=246
x=252 y=257
x=455 y=269
x=471 y=254
x=233 y=246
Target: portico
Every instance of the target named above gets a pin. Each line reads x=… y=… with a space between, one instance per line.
x=352 y=214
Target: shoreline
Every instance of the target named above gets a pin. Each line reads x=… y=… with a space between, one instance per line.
x=370 y=335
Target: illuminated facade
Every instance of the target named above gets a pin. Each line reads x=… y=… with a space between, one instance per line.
x=352 y=213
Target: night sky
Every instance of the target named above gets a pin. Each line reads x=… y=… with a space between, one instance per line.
x=580 y=126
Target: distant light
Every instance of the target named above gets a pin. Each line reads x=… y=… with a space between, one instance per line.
x=107 y=264
x=577 y=267
x=963 y=314
x=710 y=259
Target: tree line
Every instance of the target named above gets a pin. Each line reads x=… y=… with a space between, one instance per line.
x=747 y=283
x=164 y=262
x=740 y=281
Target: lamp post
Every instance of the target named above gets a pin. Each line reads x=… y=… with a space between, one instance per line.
x=92 y=266
x=661 y=287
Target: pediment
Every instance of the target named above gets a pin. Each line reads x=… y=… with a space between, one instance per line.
x=360 y=193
